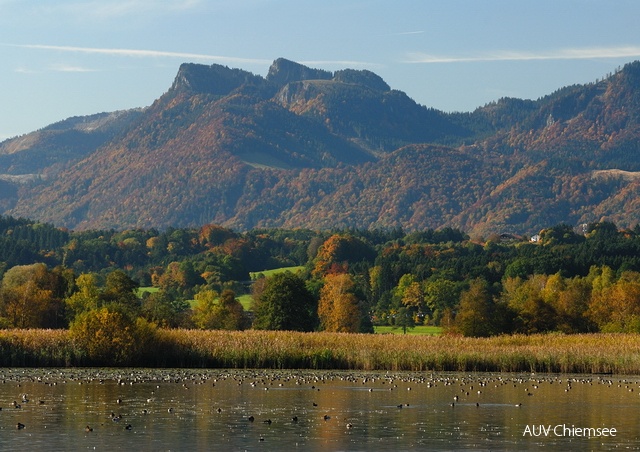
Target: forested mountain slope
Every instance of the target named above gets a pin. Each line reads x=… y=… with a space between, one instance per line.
x=304 y=147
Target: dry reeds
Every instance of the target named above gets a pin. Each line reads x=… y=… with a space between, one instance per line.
x=36 y=347
x=584 y=353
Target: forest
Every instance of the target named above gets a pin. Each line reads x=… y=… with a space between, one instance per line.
x=566 y=281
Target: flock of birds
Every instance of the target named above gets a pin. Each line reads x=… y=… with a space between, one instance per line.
x=469 y=387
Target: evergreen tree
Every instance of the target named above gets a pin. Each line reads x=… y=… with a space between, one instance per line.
x=285 y=304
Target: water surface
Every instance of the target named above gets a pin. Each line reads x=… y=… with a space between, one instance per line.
x=177 y=409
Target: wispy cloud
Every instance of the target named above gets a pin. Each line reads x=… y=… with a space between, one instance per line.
x=402 y=33
x=560 y=54
x=140 y=53
x=68 y=68
x=24 y=70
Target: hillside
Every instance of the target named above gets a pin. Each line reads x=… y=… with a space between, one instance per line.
x=304 y=147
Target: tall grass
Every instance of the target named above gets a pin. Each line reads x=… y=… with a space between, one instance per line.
x=589 y=353
x=36 y=348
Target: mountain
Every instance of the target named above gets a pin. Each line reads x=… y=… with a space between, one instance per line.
x=304 y=147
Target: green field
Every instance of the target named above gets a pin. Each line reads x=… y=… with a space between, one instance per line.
x=246 y=301
x=268 y=273
x=142 y=290
x=417 y=330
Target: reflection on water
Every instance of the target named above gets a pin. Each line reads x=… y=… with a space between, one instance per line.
x=303 y=410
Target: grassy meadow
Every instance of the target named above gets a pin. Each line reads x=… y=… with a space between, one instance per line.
x=246 y=301
x=416 y=330
x=580 y=353
x=270 y=273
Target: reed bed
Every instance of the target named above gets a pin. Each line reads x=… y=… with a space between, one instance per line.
x=37 y=347
x=585 y=353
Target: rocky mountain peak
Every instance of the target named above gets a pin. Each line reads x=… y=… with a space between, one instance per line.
x=215 y=79
x=362 y=77
x=284 y=71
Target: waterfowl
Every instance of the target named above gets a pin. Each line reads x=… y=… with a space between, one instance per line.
x=268 y=421
x=88 y=429
x=251 y=418
x=349 y=425
x=128 y=427
x=20 y=426
x=294 y=419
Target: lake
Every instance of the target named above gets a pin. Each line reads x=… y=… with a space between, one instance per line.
x=203 y=409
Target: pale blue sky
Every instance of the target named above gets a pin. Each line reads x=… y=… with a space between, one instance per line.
x=62 y=58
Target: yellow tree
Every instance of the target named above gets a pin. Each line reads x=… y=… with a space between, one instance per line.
x=87 y=296
x=569 y=298
x=338 y=308
x=624 y=297
x=600 y=306
x=26 y=296
x=220 y=313
x=475 y=315
x=525 y=298
x=111 y=336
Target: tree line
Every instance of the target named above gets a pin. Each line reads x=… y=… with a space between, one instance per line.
x=349 y=280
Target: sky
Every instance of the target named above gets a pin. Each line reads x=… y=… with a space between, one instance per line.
x=63 y=58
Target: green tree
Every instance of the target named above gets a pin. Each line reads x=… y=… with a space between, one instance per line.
x=285 y=303
x=404 y=319
x=164 y=310
x=439 y=295
x=120 y=289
